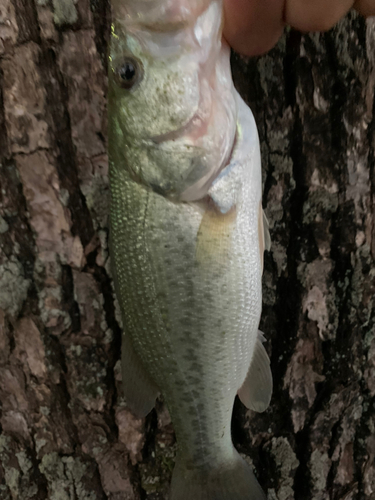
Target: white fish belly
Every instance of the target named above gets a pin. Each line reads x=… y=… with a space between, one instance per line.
x=189 y=285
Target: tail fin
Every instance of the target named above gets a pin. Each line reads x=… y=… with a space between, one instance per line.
x=234 y=482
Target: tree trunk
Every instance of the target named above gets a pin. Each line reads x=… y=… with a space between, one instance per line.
x=65 y=430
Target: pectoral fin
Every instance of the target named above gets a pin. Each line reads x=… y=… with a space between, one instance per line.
x=256 y=391
x=139 y=390
x=214 y=238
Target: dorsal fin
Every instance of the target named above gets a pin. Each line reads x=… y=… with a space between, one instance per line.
x=139 y=389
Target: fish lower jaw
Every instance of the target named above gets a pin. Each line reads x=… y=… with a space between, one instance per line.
x=198 y=192
x=194 y=126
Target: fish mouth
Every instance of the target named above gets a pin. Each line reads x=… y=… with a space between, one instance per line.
x=150 y=15
x=197 y=126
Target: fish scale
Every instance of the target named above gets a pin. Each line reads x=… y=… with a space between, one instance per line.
x=188 y=275
x=200 y=300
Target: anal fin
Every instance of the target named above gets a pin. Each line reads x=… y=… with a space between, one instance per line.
x=267 y=236
x=139 y=389
x=256 y=391
x=263 y=233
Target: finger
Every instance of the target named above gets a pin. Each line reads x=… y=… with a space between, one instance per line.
x=365 y=7
x=253 y=27
x=316 y=15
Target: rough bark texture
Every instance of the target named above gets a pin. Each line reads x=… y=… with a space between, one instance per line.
x=65 y=430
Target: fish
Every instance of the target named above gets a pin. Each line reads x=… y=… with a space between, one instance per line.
x=187 y=236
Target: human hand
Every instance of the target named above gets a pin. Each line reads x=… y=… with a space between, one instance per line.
x=253 y=27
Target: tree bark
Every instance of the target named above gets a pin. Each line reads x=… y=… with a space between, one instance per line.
x=66 y=432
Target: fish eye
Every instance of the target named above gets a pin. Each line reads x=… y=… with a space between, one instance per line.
x=129 y=73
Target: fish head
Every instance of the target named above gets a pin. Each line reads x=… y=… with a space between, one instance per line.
x=172 y=111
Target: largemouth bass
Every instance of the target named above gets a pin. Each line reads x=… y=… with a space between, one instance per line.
x=187 y=236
